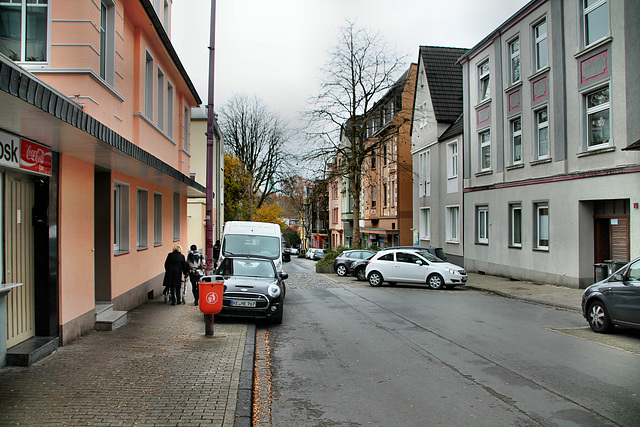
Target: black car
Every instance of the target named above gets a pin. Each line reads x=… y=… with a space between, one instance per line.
x=614 y=300
x=358 y=267
x=342 y=264
x=252 y=288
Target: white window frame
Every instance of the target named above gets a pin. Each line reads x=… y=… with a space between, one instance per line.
x=514 y=61
x=107 y=41
x=157 y=219
x=542 y=128
x=176 y=217
x=484 y=80
x=515 y=133
x=160 y=99
x=482 y=224
x=515 y=225
x=23 y=54
x=452 y=224
x=142 y=219
x=149 y=73
x=596 y=109
x=392 y=193
x=542 y=226
x=374 y=196
x=425 y=223
x=185 y=135
x=590 y=11
x=170 y=92
x=452 y=160
x=120 y=217
x=424 y=173
x=541 y=45
x=484 y=144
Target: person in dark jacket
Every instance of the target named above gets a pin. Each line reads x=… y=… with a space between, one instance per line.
x=216 y=253
x=175 y=267
x=196 y=270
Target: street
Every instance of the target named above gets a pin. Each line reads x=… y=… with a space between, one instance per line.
x=350 y=354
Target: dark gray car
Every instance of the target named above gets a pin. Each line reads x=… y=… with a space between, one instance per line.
x=342 y=264
x=614 y=300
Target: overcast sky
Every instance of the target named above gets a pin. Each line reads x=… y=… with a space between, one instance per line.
x=273 y=48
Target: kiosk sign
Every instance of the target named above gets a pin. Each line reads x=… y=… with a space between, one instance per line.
x=19 y=153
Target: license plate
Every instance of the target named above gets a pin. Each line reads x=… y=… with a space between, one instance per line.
x=237 y=303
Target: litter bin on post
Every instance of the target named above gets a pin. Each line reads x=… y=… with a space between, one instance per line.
x=210 y=291
x=602 y=271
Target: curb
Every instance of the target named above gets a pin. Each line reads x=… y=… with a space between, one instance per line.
x=244 y=404
x=505 y=295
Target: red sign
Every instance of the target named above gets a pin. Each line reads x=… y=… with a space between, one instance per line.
x=34 y=157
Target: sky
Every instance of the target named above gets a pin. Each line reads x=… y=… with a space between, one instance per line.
x=274 y=48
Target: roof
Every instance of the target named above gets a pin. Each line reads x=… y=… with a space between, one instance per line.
x=633 y=146
x=454 y=130
x=445 y=80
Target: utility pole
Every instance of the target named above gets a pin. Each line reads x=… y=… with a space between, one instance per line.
x=208 y=318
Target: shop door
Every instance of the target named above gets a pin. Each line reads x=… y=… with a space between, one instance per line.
x=18 y=256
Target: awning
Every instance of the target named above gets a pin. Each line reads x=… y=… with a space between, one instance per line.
x=33 y=110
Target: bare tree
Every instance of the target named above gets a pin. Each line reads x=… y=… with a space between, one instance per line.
x=360 y=69
x=256 y=135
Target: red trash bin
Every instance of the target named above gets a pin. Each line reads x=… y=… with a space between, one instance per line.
x=210 y=295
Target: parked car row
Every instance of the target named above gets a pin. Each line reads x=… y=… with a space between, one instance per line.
x=315 y=254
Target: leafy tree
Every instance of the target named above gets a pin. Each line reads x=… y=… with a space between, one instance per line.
x=292 y=236
x=256 y=136
x=236 y=189
x=270 y=213
x=360 y=69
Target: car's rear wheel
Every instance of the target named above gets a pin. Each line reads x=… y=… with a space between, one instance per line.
x=360 y=274
x=375 y=279
x=435 y=281
x=341 y=270
x=599 y=318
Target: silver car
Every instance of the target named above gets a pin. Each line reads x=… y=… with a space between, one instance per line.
x=413 y=266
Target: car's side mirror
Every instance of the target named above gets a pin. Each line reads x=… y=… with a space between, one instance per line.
x=419 y=262
x=284 y=276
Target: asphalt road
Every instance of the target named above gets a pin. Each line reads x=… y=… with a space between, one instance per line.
x=348 y=354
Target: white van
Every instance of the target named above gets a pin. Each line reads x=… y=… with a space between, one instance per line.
x=252 y=238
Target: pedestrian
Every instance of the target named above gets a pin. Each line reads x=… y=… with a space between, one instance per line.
x=195 y=259
x=216 y=253
x=175 y=267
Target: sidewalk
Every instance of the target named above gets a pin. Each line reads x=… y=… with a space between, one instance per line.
x=158 y=369
x=557 y=296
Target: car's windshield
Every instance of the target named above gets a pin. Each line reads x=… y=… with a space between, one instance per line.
x=429 y=257
x=242 y=244
x=246 y=267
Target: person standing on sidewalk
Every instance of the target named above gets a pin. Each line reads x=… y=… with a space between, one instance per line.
x=175 y=267
x=216 y=253
x=196 y=270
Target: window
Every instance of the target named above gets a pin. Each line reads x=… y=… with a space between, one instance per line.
x=384 y=153
x=392 y=195
x=425 y=223
x=541 y=47
x=373 y=158
x=451 y=223
x=542 y=226
x=598 y=120
x=514 y=53
x=176 y=216
x=23 y=30
x=165 y=20
x=169 y=109
x=452 y=160
x=160 y=99
x=384 y=195
x=515 y=225
x=107 y=41
x=143 y=219
x=516 y=140
x=542 y=133
x=424 y=173
x=483 y=81
x=373 y=196
x=120 y=217
x=186 y=129
x=148 y=86
x=596 y=20
x=485 y=150
x=482 y=224
x=157 y=219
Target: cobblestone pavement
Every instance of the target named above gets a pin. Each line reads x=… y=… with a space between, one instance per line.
x=158 y=369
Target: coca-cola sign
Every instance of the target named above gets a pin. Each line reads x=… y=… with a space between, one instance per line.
x=35 y=157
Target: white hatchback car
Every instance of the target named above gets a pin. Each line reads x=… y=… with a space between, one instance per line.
x=413 y=266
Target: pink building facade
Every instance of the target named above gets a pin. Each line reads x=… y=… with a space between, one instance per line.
x=94 y=116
